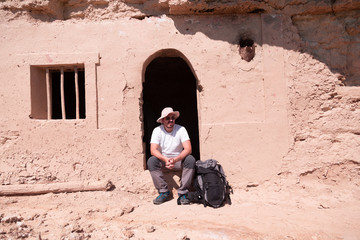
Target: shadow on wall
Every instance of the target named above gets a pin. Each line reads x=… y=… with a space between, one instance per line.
x=328 y=30
x=333 y=40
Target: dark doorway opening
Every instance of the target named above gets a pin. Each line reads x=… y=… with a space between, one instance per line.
x=169 y=82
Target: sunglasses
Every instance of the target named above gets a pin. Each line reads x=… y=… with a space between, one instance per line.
x=170 y=118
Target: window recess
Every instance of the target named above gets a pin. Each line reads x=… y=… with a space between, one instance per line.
x=58 y=92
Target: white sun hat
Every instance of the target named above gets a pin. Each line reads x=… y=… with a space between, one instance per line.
x=166 y=111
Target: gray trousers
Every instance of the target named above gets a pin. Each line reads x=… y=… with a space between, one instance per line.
x=156 y=167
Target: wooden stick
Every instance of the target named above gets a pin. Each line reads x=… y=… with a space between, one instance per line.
x=35 y=189
x=62 y=89
x=48 y=95
x=77 y=93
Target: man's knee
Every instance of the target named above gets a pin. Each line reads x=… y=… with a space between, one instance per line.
x=153 y=163
x=189 y=162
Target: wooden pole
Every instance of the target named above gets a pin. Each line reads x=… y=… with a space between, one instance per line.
x=77 y=93
x=63 y=111
x=35 y=189
x=48 y=95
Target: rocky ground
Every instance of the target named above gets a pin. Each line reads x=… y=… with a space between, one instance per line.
x=307 y=210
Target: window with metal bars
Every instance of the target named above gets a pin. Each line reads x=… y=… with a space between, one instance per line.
x=58 y=92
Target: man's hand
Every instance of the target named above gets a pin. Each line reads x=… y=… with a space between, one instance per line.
x=170 y=163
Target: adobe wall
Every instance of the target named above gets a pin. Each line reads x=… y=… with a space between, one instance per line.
x=284 y=113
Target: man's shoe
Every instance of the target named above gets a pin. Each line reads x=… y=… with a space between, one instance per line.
x=183 y=200
x=163 y=197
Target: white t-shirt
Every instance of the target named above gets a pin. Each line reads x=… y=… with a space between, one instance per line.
x=170 y=142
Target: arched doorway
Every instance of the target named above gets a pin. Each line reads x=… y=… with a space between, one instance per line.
x=169 y=82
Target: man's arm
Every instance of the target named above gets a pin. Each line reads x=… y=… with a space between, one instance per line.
x=186 y=151
x=154 y=150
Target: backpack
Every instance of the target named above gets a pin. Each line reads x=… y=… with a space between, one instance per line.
x=211 y=187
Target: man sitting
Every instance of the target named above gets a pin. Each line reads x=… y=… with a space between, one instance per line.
x=170 y=148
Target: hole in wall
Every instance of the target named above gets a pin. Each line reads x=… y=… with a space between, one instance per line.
x=246 y=48
x=258 y=10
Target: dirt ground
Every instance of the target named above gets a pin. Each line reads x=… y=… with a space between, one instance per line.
x=309 y=209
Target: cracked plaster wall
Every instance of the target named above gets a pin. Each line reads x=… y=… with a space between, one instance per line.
x=286 y=111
